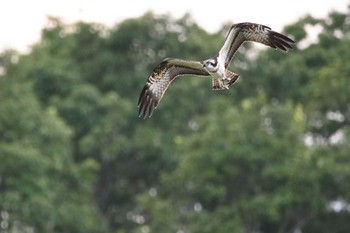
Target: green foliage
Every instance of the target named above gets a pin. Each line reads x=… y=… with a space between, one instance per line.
x=236 y=176
x=270 y=155
x=40 y=183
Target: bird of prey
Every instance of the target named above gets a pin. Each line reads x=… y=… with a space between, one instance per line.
x=215 y=67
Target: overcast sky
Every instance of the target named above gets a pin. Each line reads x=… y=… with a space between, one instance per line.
x=21 y=20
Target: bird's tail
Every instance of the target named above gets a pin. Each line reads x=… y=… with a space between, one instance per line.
x=231 y=78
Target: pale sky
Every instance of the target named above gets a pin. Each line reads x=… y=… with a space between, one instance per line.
x=21 y=20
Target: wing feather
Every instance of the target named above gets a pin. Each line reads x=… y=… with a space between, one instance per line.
x=170 y=68
x=242 y=32
x=160 y=79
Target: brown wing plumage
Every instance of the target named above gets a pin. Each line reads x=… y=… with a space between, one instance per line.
x=170 y=68
x=160 y=80
x=242 y=32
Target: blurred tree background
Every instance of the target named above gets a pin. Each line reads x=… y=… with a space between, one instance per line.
x=269 y=155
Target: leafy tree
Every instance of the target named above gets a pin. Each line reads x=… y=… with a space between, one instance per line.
x=250 y=171
x=42 y=189
x=231 y=185
x=269 y=155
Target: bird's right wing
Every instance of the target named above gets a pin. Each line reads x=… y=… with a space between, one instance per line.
x=160 y=79
x=242 y=32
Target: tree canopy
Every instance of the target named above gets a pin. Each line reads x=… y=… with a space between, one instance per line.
x=268 y=155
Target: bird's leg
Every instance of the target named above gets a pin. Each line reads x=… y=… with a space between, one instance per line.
x=224 y=83
x=218 y=84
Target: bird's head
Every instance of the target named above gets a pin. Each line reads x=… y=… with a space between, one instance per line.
x=211 y=65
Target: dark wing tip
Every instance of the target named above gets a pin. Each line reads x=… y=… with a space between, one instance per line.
x=280 y=41
x=154 y=89
x=147 y=102
x=258 y=33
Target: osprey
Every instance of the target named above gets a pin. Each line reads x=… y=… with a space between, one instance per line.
x=214 y=67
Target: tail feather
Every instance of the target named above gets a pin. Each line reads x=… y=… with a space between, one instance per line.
x=215 y=84
x=231 y=78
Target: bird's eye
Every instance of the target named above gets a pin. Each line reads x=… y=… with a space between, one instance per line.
x=214 y=62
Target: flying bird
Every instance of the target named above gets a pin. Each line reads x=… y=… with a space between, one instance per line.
x=215 y=67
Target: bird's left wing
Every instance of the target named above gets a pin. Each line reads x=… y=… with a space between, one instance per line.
x=160 y=79
x=242 y=32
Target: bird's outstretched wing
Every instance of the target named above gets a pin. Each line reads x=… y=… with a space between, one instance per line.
x=160 y=79
x=242 y=32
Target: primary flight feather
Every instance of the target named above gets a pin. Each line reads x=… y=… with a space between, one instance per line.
x=215 y=67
